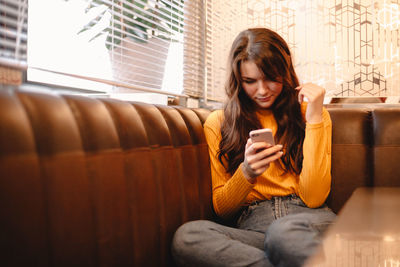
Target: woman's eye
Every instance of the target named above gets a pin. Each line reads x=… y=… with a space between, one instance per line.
x=249 y=81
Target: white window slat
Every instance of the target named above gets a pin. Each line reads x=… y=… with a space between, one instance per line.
x=13 y=32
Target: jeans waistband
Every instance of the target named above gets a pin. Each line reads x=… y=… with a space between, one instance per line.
x=291 y=196
x=287 y=197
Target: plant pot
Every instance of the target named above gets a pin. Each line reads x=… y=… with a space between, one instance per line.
x=140 y=63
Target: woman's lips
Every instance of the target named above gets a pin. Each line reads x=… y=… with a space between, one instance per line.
x=264 y=99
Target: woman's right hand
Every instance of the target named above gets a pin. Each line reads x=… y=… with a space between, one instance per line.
x=257 y=157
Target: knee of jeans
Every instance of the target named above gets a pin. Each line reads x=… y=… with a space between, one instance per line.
x=288 y=228
x=278 y=244
x=186 y=236
x=276 y=233
x=290 y=239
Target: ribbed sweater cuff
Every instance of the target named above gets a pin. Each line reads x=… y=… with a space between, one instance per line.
x=243 y=179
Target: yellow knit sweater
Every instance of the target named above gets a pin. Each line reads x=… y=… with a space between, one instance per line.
x=230 y=192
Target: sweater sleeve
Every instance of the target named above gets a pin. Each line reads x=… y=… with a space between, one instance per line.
x=228 y=192
x=315 y=177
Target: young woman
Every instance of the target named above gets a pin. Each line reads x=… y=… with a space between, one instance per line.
x=276 y=192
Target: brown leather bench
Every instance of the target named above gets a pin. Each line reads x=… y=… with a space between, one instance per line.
x=101 y=182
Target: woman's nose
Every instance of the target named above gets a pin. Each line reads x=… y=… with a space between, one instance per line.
x=263 y=86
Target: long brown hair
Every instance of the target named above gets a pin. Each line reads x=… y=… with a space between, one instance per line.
x=271 y=54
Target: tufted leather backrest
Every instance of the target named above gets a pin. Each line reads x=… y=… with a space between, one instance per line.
x=351 y=153
x=102 y=182
x=386 y=153
x=90 y=182
x=365 y=150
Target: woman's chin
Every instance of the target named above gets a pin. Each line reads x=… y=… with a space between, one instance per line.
x=264 y=104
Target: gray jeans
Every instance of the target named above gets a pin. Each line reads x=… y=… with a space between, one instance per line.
x=282 y=231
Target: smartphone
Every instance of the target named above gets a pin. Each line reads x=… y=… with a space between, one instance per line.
x=262 y=135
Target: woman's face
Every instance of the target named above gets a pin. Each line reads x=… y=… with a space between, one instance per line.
x=260 y=90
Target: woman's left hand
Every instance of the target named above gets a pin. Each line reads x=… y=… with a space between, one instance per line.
x=315 y=95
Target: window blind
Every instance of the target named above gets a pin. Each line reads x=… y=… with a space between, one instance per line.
x=134 y=44
x=194 y=48
x=13 y=33
x=140 y=37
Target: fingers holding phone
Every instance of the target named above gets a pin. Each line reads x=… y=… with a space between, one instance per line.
x=259 y=153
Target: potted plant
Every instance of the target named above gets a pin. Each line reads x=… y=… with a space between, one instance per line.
x=134 y=28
